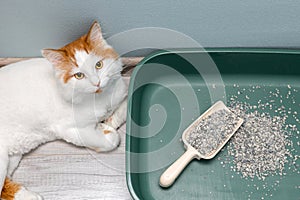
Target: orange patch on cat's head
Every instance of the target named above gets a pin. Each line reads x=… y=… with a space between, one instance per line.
x=92 y=43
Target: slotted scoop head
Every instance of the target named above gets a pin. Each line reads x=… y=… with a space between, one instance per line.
x=204 y=138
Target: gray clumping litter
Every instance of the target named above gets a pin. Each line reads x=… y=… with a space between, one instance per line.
x=266 y=147
x=263 y=146
x=259 y=146
x=212 y=131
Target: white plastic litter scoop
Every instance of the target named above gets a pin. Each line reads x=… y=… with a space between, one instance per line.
x=169 y=176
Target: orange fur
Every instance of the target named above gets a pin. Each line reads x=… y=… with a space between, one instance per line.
x=99 y=91
x=84 y=43
x=106 y=131
x=109 y=53
x=9 y=189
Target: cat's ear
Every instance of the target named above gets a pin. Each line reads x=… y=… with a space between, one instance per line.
x=94 y=35
x=55 y=56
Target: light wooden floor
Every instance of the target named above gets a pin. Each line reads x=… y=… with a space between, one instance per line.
x=61 y=171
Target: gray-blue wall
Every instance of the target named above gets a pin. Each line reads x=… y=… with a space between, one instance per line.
x=26 y=26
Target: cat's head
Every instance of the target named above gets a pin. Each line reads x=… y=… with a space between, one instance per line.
x=87 y=65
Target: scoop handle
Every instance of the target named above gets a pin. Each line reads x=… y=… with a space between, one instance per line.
x=169 y=176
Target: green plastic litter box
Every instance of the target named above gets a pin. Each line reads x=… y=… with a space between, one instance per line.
x=169 y=89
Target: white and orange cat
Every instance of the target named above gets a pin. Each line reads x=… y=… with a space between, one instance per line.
x=76 y=93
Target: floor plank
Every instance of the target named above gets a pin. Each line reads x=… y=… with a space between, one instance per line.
x=61 y=171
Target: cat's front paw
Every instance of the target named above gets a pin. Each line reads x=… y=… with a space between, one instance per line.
x=111 y=136
x=24 y=194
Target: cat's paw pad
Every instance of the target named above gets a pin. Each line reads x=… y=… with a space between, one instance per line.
x=110 y=122
x=24 y=194
x=103 y=126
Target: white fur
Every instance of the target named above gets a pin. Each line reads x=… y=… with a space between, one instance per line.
x=37 y=107
x=81 y=56
x=24 y=194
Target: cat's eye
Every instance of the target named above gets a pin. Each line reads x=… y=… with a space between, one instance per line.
x=99 y=64
x=79 y=75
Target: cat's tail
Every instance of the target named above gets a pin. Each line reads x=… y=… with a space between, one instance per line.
x=15 y=191
x=9 y=189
